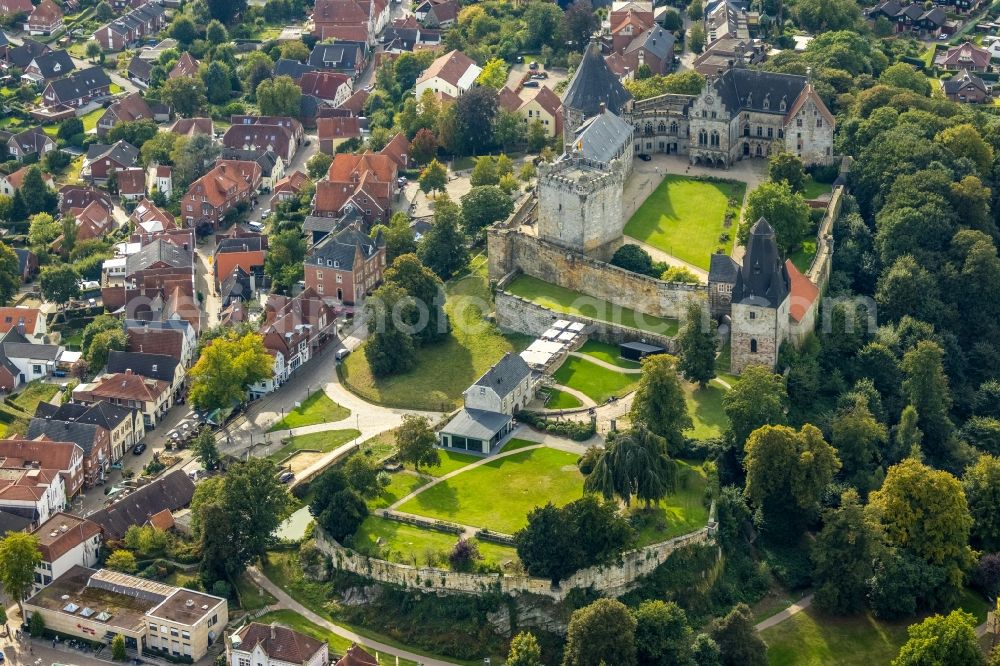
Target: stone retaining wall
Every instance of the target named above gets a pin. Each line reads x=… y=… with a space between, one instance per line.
x=819 y=270
x=611 y=580
x=514 y=313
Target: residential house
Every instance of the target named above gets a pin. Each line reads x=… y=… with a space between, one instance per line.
x=966 y=56
x=270 y=166
x=21 y=56
x=439 y=14
x=209 y=198
x=171 y=492
x=720 y=54
x=291 y=124
x=65 y=541
x=79 y=197
x=331 y=132
x=152 y=397
x=156 y=280
x=490 y=405
x=138 y=24
x=343 y=56
x=545 y=107
x=261 y=138
x=910 y=17
x=346 y=266
x=44 y=19
x=102 y=160
x=175 y=338
x=294 y=328
x=355 y=656
x=127 y=109
x=190 y=126
x=29 y=322
x=355 y=104
x=93 y=440
x=150 y=616
x=274 y=645
x=27 y=264
x=161 y=179
x=94 y=221
x=78 y=89
x=22 y=361
x=160 y=367
x=237 y=287
x=186 y=66
x=449 y=75
x=363 y=182
x=332 y=88
x=131 y=183
x=654 y=48
x=288 y=188
x=246 y=251
x=140 y=71
x=627 y=21
x=150 y=218
x=47 y=66
x=64 y=457
x=357 y=20
x=125 y=426
x=33 y=494
x=405 y=37
x=32 y=141
x=292 y=68
x=10 y=8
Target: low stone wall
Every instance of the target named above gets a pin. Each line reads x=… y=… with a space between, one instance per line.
x=514 y=313
x=611 y=580
x=819 y=270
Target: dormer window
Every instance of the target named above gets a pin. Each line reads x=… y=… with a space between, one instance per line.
x=767 y=102
x=782 y=107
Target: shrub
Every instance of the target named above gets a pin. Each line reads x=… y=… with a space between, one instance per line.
x=464 y=555
x=36 y=627
x=576 y=430
x=589 y=459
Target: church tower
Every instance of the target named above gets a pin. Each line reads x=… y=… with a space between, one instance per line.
x=760 y=304
x=592 y=86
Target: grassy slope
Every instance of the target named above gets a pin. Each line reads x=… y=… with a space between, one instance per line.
x=705 y=408
x=573 y=302
x=561 y=400
x=32 y=394
x=595 y=381
x=607 y=353
x=499 y=494
x=682 y=512
x=318 y=441
x=443 y=370
x=406 y=544
x=317 y=408
x=684 y=217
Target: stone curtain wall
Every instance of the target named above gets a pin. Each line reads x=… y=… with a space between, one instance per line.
x=514 y=313
x=611 y=580
x=819 y=270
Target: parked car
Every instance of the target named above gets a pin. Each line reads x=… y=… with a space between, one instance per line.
x=644 y=157
x=286 y=477
x=531 y=84
x=139 y=448
x=533 y=65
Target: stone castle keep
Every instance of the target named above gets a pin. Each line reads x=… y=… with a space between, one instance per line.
x=574 y=224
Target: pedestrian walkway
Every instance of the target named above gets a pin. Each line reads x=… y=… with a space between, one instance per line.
x=796 y=608
x=584 y=399
x=288 y=602
x=605 y=364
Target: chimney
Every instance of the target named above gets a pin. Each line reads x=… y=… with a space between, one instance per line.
x=128 y=371
x=273 y=632
x=603 y=108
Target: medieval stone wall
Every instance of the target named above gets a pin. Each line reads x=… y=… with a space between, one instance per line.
x=580 y=205
x=611 y=580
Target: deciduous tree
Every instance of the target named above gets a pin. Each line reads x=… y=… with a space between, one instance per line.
x=206 y=450
x=10 y=273
x=59 y=283
x=524 y=650
x=659 y=400
x=926 y=387
x=634 y=464
x=737 y=639
x=443 y=248
x=415 y=442
x=697 y=345
x=398 y=238
x=785 y=166
x=19 y=555
x=484 y=205
x=981 y=483
x=122 y=560
x=227 y=368
x=279 y=96
x=943 y=641
x=601 y=633
x=428 y=322
x=318 y=165
x=494 y=74
x=185 y=95
x=842 y=557
x=662 y=633
x=433 y=177
x=389 y=349
x=758 y=398
x=786 y=212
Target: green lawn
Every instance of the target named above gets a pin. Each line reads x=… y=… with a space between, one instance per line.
x=803 y=257
x=561 y=400
x=407 y=544
x=682 y=512
x=515 y=444
x=323 y=442
x=337 y=644
x=814 y=190
x=684 y=217
x=443 y=370
x=317 y=408
x=450 y=461
x=813 y=639
x=400 y=485
x=607 y=353
x=252 y=596
x=90 y=119
x=597 y=382
x=573 y=302
x=499 y=494
x=705 y=408
x=32 y=394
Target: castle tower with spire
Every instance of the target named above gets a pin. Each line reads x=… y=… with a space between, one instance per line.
x=760 y=302
x=593 y=89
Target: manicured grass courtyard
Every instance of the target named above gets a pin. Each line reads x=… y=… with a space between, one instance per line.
x=684 y=217
x=317 y=408
x=704 y=406
x=323 y=442
x=575 y=303
x=338 y=645
x=443 y=371
x=813 y=639
x=450 y=461
x=400 y=485
x=595 y=381
x=803 y=257
x=499 y=494
x=561 y=400
x=607 y=353
x=398 y=542
x=681 y=512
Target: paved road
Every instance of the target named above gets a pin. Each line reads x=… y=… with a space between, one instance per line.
x=286 y=601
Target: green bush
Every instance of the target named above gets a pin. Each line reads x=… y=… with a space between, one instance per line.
x=37 y=625
x=576 y=430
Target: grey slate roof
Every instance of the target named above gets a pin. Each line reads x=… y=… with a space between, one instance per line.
x=102 y=414
x=236 y=286
x=603 y=137
x=158 y=250
x=656 y=40
x=171 y=492
x=54 y=63
x=292 y=68
x=747 y=89
x=341 y=248
x=266 y=159
x=153 y=366
x=341 y=55
x=240 y=244
x=21 y=56
x=476 y=424
x=505 y=375
x=722 y=268
x=316 y=223
x=10 y=522
x=15 y=345
x=81 y=84
x=955 y=84
x=593 y=83
x=122 y=152
x=64 y=431
x=140 y=68
x=23 y=254
x=763 y=279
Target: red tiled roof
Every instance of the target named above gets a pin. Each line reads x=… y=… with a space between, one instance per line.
x=192 y=126
x=16 y=179
x=46 y=13
x=62 y=533
x=323 y=85
x=217 y=183
x=355 y=656
x=450 y=67
x=356 y=102
x=11 y=317
x=329 y=129
x=186 y=66
x=128 y=386
x=163 y=520
x=131 y=181
x=15 y=452
x=397 y=150
x=131 y=108
x=803 y=292
x=508 y=100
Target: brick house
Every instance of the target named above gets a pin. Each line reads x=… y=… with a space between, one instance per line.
x=48 y=66
x=246 y=251
x=366 y=182
x=288 y=188
x=131 y=183
x=262 y=138
x=77 y=89
x=338 y=20
x=15 y=7
x=66 y=457
x=213 y=195
x=93 y=440
x=152 y=397
x=331 y=87
x=44 y=19
x=143 y=21
x=173 y=338
x=294 y=328
x=128 y=109
x=346 y=266
x=103 y=160
x=32 y=141
x=124 y=425
x=150 y=218
x=331 y=132
x=186 y=66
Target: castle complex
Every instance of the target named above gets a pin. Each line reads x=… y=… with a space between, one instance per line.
x=740 y=114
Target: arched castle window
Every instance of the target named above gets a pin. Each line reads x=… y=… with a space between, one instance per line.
x=715 y=139
x=746 y=130
x=649 y=128
x=770 y=132
x=702 y=138
x=760 y=131
x=753 y=346
x=673 y=127
x=662 y=127
x=759 y=151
